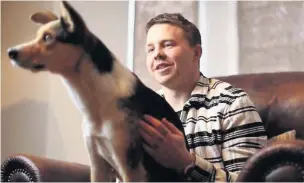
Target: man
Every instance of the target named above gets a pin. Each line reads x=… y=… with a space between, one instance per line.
x=222 y=125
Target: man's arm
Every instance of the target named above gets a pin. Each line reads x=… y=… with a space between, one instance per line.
x=244 y=135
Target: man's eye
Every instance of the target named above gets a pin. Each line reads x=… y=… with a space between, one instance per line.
x=150 y=50
x=47 y=37
x=168 y=44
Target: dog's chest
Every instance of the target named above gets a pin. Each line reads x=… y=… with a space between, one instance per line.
x=99 y=135
x=97 y=105
x=104 y=129
x=105 y=140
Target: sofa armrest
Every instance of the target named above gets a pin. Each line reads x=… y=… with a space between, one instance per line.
x=278 y=161
x=29 y=168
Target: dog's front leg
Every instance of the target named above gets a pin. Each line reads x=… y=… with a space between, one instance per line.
x=100 y=169
x=128 y=159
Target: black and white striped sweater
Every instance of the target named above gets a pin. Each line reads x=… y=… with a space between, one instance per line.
x=223 y=129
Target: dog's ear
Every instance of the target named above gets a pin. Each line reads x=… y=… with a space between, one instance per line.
x=70 y=20
x=43 y=17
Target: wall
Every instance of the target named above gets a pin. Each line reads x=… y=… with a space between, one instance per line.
x=217 y=21
x=25 y=104
x=37 y=115
x=271 y=36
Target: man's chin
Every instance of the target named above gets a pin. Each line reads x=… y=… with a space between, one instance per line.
x=163 y=79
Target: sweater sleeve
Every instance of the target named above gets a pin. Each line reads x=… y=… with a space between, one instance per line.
x=243 y=135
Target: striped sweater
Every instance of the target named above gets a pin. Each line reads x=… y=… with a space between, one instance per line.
x=222 y=128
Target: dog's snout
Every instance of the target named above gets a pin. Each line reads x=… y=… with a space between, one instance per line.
x=13 y=53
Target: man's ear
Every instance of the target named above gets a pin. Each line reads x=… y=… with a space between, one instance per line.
x=43 y=17
x=70 y=20
x=198 y=52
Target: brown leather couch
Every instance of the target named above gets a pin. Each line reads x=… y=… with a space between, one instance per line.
x=279 y=98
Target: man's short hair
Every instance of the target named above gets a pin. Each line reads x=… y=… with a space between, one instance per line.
x=191 y=31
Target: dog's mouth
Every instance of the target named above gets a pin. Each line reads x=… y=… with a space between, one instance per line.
x=39 y=67
x=36 y=67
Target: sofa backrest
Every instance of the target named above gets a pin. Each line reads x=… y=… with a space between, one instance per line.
x=279 y=98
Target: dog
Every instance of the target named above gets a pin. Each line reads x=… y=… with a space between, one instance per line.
x=111 y=98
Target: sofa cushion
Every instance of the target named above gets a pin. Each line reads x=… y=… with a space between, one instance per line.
x=290 y=135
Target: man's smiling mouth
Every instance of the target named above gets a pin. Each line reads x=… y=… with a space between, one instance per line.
x=162 y=66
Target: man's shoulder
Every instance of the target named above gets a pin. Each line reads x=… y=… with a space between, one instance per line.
x=219 y=88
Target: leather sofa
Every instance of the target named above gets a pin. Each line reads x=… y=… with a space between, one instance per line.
x=279 y=98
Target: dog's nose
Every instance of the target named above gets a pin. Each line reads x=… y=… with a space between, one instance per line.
x=12 y=53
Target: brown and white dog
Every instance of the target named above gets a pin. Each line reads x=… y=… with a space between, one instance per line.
x=111 y=98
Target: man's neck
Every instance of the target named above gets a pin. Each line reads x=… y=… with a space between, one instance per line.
x=177 y=97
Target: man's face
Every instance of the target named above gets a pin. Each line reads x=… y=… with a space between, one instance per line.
x=170 y=58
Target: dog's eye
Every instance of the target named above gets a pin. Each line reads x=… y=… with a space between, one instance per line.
x=47 y=37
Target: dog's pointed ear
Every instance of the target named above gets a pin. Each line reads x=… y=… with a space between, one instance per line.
x=70 y=19
x=43 y=17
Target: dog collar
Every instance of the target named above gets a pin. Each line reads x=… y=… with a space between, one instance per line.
x=81 y=58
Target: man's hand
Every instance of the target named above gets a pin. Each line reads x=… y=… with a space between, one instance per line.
x=165 y=143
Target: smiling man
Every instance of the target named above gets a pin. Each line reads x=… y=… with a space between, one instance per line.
x=221 y=123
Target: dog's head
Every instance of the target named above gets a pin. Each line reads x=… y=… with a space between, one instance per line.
x=59 y=44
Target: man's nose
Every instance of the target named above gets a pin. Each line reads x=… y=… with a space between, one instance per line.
x=159 y=54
